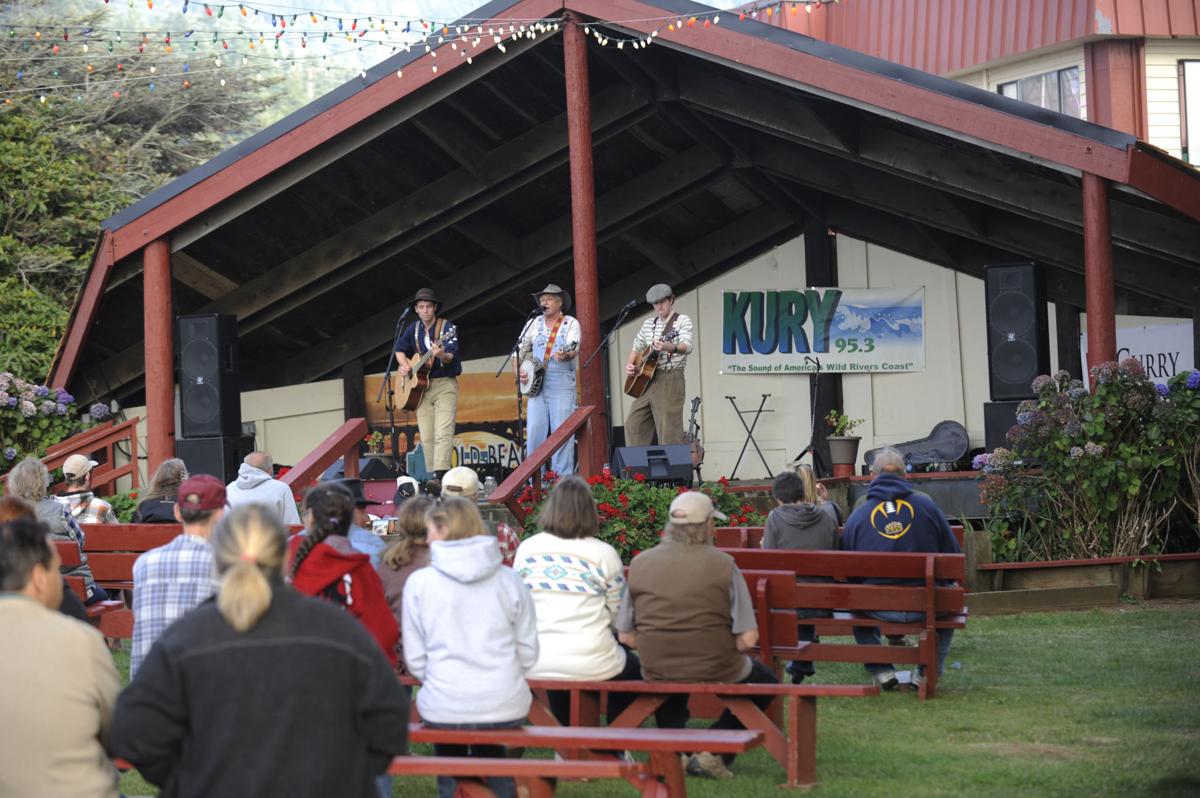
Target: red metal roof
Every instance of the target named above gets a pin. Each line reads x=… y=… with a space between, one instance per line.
x=942 y=36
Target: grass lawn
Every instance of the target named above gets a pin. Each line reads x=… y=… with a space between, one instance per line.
x=1055 y=704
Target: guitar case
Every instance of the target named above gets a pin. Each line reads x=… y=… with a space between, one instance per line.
x=946 y=443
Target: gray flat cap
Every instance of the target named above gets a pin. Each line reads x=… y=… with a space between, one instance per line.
x=659 y=292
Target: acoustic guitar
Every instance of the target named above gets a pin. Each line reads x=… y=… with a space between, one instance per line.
x=637 y=382
x=409 y=388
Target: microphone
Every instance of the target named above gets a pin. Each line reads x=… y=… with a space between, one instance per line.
x=630 y=305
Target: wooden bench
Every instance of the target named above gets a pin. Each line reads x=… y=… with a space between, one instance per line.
x=113 y=548
x=111 y=617
x=792 y=741
x=750 y=537
x=593 y=748
x=777 y=596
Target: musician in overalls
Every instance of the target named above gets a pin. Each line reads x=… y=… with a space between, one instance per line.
x=439 y=404
x=552 y=340
x=659 y=411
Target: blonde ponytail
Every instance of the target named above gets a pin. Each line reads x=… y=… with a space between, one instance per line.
x=249 y=544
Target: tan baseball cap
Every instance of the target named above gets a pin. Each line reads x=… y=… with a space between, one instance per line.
x=694 y=507
x=77 y=466
x=461 y=481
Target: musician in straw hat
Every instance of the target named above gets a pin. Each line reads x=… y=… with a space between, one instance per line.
x=551 y=342
x=439 y=404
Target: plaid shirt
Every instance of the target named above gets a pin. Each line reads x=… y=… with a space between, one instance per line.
x=87 y=508
x=169 y=581
x=509 y=540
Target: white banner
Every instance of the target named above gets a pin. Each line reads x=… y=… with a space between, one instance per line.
x=1164 y=349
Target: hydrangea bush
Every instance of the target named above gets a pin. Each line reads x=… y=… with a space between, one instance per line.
x=1094 y=473
x=35 y=417
x=633 y=511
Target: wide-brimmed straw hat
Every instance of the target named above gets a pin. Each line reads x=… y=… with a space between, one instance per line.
x=551 y=288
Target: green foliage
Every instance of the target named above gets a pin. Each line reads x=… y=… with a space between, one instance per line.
x=633 y=511
x=33 y=323
x=841 y=424
x=1092 y=474
x=123 y=505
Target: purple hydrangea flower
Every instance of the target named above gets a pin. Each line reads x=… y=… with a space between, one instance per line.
x=61 y=409
x=64 y=397
x=3 y=399
x=1103 y=373
x=40 y=390
x=10 y=453
x=1132 y=367
x=1073 y=428
x=28 y=409
x=980 y=461
x=1076 y=452
x=48 y=408
x=1024 y=418
x=1162 y=389
x=1078 y=393
x=1040 y=382
x=98 y=411
x=12 y=401
x=1193 y=380
x=1094 y=449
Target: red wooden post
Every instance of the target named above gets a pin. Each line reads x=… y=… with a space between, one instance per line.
x=593 y=443
x=158 y=330
x=1098 y=274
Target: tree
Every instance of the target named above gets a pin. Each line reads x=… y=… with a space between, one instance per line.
x=106 y=126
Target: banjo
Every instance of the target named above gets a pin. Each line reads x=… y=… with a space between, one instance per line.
x=532 y=372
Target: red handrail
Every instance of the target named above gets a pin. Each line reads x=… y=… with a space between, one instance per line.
x=102 y=440
x=506 y=492
x=342 y=443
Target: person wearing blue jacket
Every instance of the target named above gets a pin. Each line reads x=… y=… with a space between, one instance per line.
x=895 y=518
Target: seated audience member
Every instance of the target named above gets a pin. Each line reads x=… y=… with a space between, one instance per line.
x=577 y=582
x=57 y=680
x=13 y=508
x=324 y=564
x=85 y=507
x=470 y=635
x=256 y=485
x=28 y=480
x=801 y=521
x=360 y=535
x=173 y=579
x=263 y=691
x=403 y=558
x=464 y=482
x=158 y=500
x=897 y=518
x=688 y=613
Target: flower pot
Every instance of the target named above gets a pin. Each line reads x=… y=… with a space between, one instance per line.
x=843 y=451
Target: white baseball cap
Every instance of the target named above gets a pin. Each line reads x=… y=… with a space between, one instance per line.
x=694 y=507
x=77 y=466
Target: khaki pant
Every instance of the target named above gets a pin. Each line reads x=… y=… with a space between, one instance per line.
x=435 y=421
x=659 y=409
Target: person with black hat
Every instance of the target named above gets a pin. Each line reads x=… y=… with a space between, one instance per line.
x=659 y=411
x=552 y=339
x=439 y=404
x=361 y=538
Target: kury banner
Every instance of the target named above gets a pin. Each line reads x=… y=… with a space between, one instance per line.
x=843 y=330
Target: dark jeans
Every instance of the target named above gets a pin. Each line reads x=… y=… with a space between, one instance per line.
x=674 y=714
x=560 y=700
x=503 y=787
x=806 y=633
x=869 y=636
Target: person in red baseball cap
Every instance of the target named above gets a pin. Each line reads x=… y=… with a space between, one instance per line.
x=172 y=579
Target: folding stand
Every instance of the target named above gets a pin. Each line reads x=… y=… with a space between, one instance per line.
x=750 y=432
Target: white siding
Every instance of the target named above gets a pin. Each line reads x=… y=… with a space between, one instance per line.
x=1028 y=65
x=1162 y=91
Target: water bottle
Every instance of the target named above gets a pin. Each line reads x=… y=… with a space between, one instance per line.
x=489 y=485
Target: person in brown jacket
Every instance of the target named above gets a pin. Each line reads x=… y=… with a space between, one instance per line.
x=689 y=615
x=403 y=558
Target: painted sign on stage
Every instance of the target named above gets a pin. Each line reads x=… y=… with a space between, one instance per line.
x=1164 y=349
x=845 y=330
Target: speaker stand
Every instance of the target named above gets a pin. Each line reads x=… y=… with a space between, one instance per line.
x=741 y=414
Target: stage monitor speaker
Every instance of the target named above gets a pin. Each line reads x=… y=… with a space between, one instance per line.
x=998 y=418
x=1018 y=338
x=210 y=403
x=660 y=464
x=220 y=456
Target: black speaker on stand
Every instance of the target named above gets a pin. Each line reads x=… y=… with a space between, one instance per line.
x=210 y=398
x=1018 y=336
x=670 y=465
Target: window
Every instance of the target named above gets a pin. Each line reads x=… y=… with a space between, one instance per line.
x=1057 y=91
x=1189 y=110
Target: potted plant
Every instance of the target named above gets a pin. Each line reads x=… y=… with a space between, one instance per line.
x=843 y=446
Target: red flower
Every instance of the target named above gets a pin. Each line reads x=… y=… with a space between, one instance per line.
x=133 y=494
x=681 y=489
x=747 y=508
x=621 y=538
x=550 y=475
x=623 y=499
x=636 y=552
x=724 y=481
x=639 y=477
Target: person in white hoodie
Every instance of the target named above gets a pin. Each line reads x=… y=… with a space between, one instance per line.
x=470 y=636
x=255 y=485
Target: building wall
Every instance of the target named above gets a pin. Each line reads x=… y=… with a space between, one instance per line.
x=1027 y=65
x=1162 y=89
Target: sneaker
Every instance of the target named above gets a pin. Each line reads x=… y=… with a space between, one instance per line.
x=708 y=766
x=798 y=678
x=886 y=679
x=898 y=640
x=918 y=679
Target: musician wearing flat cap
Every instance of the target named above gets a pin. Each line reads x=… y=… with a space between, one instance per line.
x=658 y=411
x=546 y=370
x=438 y=406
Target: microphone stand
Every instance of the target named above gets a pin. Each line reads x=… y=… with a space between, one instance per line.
x=819 y=465
x=386 y=385
x=625 y=311
x=512 y=355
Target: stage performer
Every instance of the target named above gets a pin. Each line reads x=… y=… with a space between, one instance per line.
x=660 y=409
x=552 y=339
x=439 y=404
